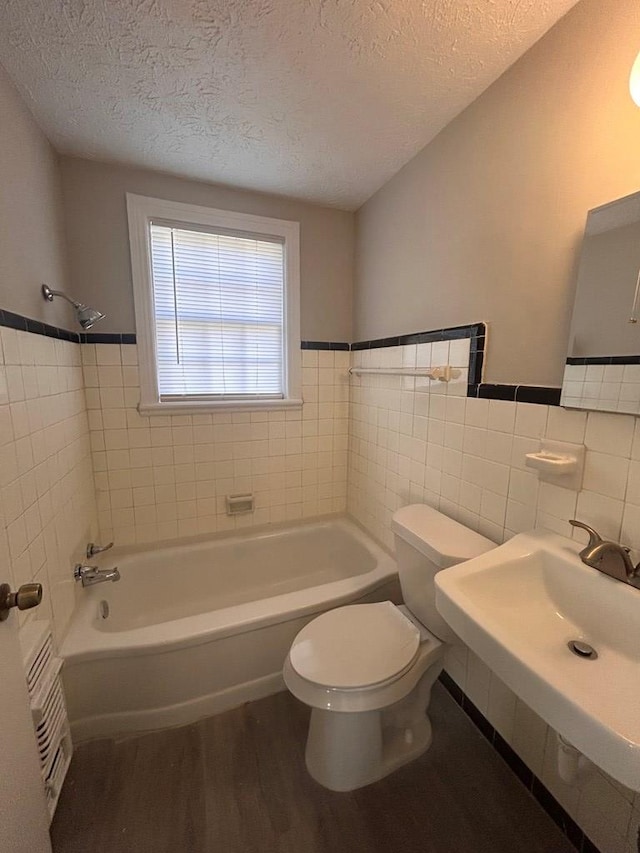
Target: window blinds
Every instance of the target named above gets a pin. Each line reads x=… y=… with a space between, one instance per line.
x=219 y=313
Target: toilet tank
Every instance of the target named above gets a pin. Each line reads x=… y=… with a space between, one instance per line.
x=426 y=542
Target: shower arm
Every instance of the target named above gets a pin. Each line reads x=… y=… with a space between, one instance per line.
x=48 y=294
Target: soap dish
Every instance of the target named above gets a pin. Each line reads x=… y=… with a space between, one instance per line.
x=558 y=462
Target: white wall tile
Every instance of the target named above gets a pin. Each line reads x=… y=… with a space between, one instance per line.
x=502 y=416
x=633 y=483
x=531 y=420
x=604 y=814
x=630 y=533
x=601 y=512
x=501 y=708
x=566 y=425
x=160 y=461
x=46 y=480
x=495 y=493
x=529 y=737
x=606 y=474
x=610 y=433
x=477 y=682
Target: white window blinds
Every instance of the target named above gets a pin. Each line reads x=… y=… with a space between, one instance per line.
x=219 y=313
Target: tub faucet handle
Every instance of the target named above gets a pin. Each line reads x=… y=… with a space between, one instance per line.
x=93 y=549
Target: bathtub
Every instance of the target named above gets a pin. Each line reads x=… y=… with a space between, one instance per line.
x=196 y=628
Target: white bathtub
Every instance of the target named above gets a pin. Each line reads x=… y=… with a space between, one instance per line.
x=194 y=629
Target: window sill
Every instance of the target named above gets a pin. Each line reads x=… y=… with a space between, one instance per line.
x=207 y=406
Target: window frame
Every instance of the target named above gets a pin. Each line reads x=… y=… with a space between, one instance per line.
x=141 y=210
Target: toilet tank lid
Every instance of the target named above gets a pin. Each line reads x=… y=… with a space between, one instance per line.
x=444 y=541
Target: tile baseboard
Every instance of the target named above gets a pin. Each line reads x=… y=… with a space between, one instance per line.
x=531 y=782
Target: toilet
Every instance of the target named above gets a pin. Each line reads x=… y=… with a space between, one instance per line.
x=366 y=670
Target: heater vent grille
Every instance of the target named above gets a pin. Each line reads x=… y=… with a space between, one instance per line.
x=40 y=665
x=48 y=707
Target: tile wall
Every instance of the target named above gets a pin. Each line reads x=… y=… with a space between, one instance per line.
x=162 y=477
x=608 y=387
x=47 y=503
x=66 y=407
x=411 y=440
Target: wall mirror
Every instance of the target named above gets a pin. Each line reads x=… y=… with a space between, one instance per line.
x=602 y=370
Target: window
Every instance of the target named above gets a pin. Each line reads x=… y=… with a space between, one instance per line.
x=217 y=307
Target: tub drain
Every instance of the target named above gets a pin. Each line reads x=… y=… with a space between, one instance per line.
x=582 y=649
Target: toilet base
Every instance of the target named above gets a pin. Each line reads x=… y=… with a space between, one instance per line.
x=346 y=751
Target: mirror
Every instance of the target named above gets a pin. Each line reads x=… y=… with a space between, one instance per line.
x=602 y=371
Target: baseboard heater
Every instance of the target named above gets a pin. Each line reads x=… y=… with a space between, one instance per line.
x=48 y=708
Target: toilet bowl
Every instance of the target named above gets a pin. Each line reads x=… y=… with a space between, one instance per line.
x=366 y=670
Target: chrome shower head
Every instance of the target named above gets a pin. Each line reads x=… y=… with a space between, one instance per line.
x=85 y=316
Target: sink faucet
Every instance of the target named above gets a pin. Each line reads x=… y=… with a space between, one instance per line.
x=608 y=557
x=90 y=575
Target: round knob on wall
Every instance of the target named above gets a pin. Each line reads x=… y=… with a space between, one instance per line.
x=28 y=595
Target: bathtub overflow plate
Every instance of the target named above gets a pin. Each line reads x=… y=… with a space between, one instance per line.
x=582 y=649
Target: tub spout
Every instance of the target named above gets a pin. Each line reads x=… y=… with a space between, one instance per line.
x=90 y=575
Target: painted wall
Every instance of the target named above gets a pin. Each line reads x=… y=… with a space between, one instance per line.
x=98 y=242
x=485 y=222
x=31 y=222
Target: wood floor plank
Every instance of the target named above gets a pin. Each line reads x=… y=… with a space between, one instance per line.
x=237 y=783
x=151 y=797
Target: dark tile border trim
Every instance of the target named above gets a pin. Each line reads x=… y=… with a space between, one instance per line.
x=325 y=345
x=476 y=332
x=36 y=327
x=473 y=330
x=546 y=396
x=605 y=359
x=25 y=324
x=106 y=338
x=531 y=782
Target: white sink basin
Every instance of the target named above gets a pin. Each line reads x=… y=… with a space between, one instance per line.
x=518 y=606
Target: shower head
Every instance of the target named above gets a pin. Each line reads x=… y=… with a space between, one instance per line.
x=85 y=316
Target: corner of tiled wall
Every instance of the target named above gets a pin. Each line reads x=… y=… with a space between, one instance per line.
x=416 y=440
x=47 y=499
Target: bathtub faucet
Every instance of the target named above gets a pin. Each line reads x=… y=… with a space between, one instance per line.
x=90 y=575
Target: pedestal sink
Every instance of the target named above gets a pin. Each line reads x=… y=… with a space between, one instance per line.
x=520 y=606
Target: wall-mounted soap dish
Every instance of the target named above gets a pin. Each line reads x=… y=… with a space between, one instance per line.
x=558 y=462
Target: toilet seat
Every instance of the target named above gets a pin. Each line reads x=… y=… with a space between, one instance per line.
x=416 y=650
x=355 y=647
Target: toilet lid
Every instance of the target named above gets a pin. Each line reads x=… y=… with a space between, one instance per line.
x=355 y=646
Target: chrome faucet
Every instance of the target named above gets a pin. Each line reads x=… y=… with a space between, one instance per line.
x=608 y=557
x=90 y=575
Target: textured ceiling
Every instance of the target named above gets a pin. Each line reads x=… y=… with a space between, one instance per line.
x=318 y=99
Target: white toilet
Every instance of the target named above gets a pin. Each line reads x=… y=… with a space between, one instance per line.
x=367 y=670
